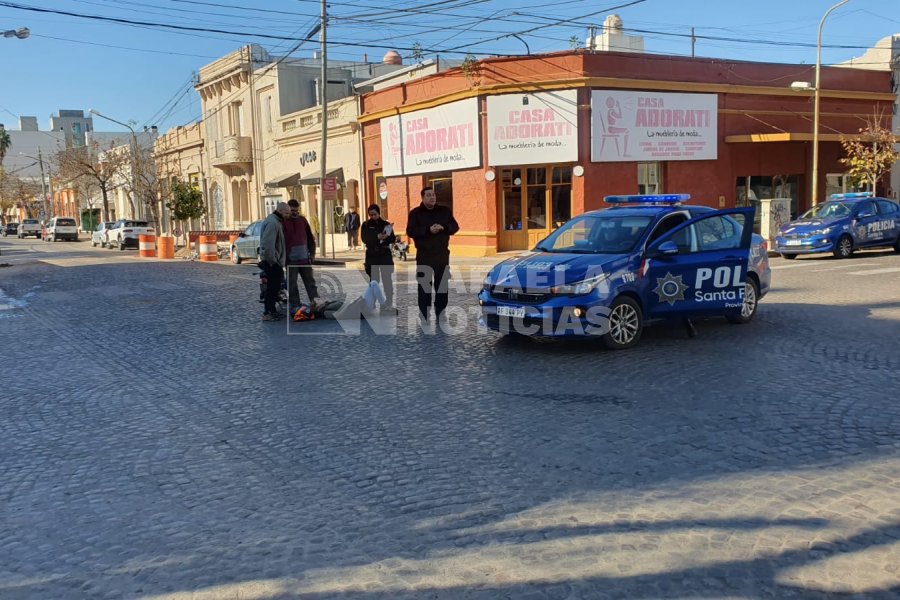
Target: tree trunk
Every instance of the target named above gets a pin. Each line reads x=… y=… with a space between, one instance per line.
x=105 y=204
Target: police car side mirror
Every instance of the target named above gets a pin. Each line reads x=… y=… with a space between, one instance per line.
x=665 y=249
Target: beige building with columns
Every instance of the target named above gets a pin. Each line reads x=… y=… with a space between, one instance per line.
x=295 y=165
x=180 y=155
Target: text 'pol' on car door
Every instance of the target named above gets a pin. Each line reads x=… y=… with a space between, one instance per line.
x=700 y=267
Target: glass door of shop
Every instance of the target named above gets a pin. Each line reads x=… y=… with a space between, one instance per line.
x=533 y=202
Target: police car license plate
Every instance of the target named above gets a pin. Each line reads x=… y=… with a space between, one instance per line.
x=793 y=242
x=517 y=312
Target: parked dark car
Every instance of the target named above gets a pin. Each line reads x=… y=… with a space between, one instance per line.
x=10 y=229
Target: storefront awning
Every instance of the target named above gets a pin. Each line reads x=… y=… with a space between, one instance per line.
x=296 y=179
x=314 y=180
x=788 y=137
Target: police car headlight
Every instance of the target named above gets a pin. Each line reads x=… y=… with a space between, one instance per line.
x=579 y=288
x=824 y=230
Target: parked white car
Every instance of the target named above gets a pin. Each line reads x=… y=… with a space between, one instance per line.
x=29 y=227
x=100 y=235
x=61 y=228
x=125 y=233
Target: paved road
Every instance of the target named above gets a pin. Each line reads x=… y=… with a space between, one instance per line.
x=158 y=441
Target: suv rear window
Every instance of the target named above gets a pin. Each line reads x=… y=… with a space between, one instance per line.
x=30 y=222
x=136 y=224
x=65 y=222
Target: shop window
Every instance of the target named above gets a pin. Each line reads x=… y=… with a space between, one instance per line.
x=561 y=195
x=511 y=202
x=442 y=183
x=536 y=194
x=649 y=178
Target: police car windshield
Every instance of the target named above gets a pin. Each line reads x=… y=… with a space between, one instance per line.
x=597 y=234
x=828 y=210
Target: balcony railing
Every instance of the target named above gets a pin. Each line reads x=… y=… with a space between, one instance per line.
x=232 y=150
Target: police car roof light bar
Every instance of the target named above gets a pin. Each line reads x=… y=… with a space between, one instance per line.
x=647 y=199
x=852 y=195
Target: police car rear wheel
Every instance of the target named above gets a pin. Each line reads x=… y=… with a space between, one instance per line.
x=625 y=324
x=789 y=256
x=751 y=303
x=844 y=248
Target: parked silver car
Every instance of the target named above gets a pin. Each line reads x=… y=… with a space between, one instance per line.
x=246 y=246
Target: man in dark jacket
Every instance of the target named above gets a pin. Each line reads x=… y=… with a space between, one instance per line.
x=430 y=227
x=272 y=257
x=351 y=224
x=300 y=246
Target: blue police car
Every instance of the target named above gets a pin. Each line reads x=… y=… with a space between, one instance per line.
x=841 y=225
x=647 y=258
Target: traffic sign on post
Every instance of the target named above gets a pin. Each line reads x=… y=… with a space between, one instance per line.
x=329 y=189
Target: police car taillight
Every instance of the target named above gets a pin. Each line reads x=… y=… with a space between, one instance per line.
x=852 y=195
x=647 y=199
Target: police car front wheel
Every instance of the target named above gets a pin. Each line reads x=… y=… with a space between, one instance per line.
x=750 y=304
x=625 y=324
x=844 y=247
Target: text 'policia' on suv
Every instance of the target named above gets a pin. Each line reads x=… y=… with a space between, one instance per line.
x=609 y=272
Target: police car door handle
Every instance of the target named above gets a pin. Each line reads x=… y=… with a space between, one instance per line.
x=731 y=259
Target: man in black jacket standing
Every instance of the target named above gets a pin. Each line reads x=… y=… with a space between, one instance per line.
x=430 y=227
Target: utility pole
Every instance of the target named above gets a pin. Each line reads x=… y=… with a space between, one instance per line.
x=43 y=186
x=323 y=92
x=693 y=41
x=592 y=33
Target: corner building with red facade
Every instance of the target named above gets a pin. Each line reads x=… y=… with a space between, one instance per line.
x=518 y=145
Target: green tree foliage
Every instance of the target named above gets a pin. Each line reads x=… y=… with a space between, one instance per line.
x=870 y=155
x=185 y=202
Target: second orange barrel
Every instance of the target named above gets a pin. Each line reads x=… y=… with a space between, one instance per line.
x=147 y=246
x=166 y=246
x=209 y=248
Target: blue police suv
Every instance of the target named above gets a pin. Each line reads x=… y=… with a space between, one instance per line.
x=647 y=258
x=842 y=225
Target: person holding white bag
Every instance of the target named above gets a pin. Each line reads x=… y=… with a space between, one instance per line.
x=378 y=235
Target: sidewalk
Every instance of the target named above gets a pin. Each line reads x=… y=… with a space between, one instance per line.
x=354 y=256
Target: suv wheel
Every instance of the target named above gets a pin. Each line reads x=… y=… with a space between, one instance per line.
x=121 y=244
x=625 y=324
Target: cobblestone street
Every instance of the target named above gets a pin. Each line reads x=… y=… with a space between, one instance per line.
x=159 y=442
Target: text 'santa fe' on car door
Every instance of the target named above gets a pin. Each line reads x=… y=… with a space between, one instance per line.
x=707 y=275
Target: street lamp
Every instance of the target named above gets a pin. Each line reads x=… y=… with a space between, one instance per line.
x=803 y=86
x=21 y=33
x=134 y=145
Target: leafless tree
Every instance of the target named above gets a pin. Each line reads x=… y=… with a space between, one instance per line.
x=93 y=164
x=18 y=192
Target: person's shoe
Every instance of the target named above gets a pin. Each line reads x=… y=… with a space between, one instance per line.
x=271 y=317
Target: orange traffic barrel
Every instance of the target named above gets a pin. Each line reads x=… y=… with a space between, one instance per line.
x=209 y=248
x=166 y=246
x=147 y=246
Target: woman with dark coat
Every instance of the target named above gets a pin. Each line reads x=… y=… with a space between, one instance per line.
x=378 y=235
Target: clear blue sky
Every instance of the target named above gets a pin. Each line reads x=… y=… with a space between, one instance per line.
x=142 y=72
